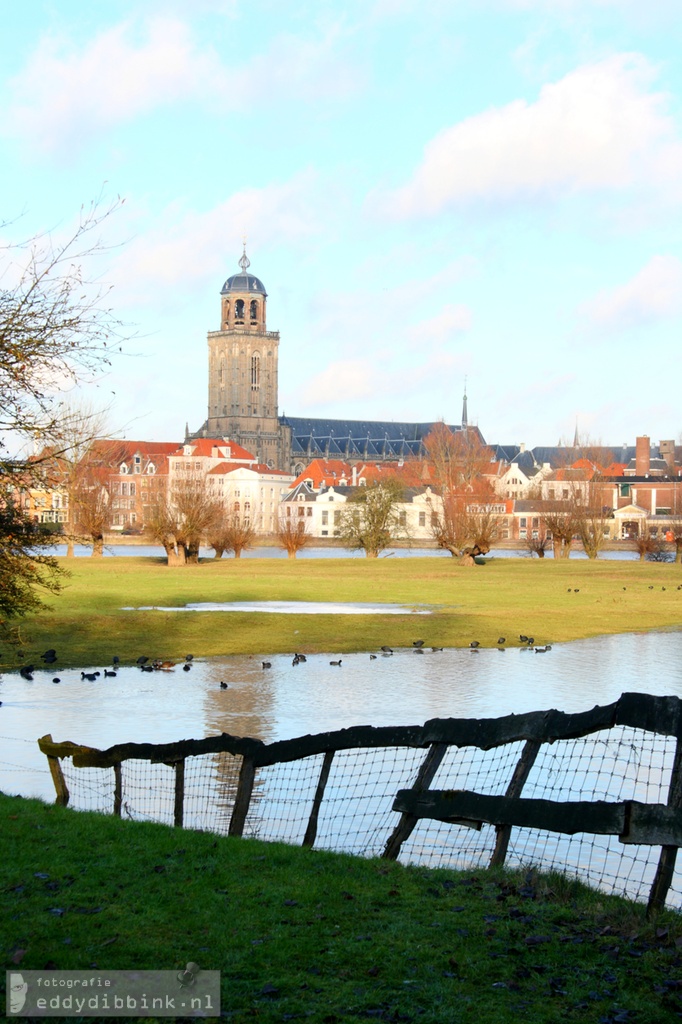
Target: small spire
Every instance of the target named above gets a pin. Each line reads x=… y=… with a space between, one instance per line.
x=576 y=436
x=465 y=422
x=244 y=262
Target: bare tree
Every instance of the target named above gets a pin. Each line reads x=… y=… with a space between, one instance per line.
x=71 y=461
x=459 y=458
x=562 y=526
x=291 y=534
x=55 y=327
x=232 y=531
x=464 y=528
x=370 y=519
x=55 y=331
x=538 y=545
x=182 y=517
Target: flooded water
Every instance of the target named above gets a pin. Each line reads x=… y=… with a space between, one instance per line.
x=288 y=700
x=156 y=551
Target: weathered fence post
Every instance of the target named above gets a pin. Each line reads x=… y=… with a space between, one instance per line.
x=405 y=826
x=515 y=788
x=311 y=831
x=666 y=862
x=179 y=801
x=118 y=788
x=247 y=775
x=58 y=780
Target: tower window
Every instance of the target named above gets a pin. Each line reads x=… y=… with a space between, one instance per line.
x=255 y=371
x=254 y=311
x=239 y=309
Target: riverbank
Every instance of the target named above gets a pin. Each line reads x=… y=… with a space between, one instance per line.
x=303 y=935
x=550 y=601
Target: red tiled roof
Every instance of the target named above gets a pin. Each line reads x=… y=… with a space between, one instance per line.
x=208 y=448
x=224 y=468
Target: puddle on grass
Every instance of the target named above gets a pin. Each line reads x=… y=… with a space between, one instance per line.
x=287 y=608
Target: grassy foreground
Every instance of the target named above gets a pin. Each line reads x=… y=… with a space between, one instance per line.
x=326 y=938
x=552 y=601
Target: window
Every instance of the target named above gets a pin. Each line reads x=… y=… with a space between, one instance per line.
x=325 y=517
x=124 y=489
x=253 y=311
x=124 y=468
x=535 y=521
x=624 y=490
x=523 y=534
x=337 y=517
x=523 y=521
x=239 y=309
x=137 y=466
x=132 y=487
x=422 y=518
x=663 y=511
x=255 y=371
x=309 y=510
x=402 y=517
x=301 y=511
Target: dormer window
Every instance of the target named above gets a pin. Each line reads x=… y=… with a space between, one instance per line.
x=124 y=468
x=137 y=464
x=151 y=468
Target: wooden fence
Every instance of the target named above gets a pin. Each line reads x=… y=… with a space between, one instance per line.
x=633 y=822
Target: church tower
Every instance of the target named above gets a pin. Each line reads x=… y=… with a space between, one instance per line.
x=242 y=372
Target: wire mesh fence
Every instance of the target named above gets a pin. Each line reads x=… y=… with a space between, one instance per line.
x=342 y=791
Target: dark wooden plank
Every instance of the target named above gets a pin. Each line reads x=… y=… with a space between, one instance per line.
x=311 y=830
x=514 y=789
x=597 y=817
x=247 y=775
x=425 y=775
x=657 y=714
x=652 y=825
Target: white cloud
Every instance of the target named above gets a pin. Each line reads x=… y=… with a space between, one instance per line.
x=181 y=253
x=453 y=319
x=655 y=293
x=598 y=128
x=64 y=95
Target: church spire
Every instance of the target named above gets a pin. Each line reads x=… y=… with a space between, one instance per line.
x=465 y=422
x=244 y=262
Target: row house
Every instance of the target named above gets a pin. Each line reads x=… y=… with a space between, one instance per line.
x=137 y=479
x=234 y=476
x=319 y=512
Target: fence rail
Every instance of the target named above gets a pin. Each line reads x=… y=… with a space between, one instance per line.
x=642 y=823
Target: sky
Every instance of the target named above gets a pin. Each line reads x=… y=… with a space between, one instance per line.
x=470 y=193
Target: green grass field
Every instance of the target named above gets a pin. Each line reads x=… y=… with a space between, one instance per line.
x=307 y=936
x=552 y=601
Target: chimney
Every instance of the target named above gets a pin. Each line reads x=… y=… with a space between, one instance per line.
x=667 y=450
x=642 y=455
x=522 y=447
x=355 y=476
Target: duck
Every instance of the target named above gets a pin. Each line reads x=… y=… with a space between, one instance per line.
x=223 y=686
x=502 y=640
x=266 y=664
x=109 y=675
x=335 y=662
x=187 y=667
x=417 y=643
x=387 y=650
x=372 y=657
x=90 y=676
x=474 y=644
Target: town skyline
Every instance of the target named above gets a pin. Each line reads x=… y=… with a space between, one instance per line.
x=487 y=197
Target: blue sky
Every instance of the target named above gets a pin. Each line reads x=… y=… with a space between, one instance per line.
x=486 y=190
